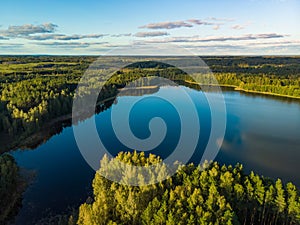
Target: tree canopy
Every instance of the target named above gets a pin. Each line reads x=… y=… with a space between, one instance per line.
x=10 y=191
x=207 y=194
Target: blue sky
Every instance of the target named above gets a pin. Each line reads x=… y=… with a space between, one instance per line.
x=234 y=27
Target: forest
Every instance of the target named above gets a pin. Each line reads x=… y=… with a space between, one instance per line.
x=11 y=187
x=206 y=194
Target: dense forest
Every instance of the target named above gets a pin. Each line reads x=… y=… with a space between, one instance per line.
x=207 y=194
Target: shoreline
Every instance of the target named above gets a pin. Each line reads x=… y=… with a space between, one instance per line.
x=138 y=88
x=266 y=93
x=237 y=88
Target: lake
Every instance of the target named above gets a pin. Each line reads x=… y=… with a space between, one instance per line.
x=262 y=133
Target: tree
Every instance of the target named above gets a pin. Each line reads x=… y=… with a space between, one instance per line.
x=191 y=196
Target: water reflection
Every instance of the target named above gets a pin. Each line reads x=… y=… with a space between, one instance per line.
x=263 y=134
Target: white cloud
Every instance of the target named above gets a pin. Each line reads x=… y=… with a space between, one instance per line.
x=121 y=35
x=220 y=38
x=67 y=44
x=167 y=25
x=28 y=29
x=151 y=34
x=63 y=37
x=238 y=27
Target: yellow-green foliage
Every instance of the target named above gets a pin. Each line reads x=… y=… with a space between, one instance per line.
x=214 y=195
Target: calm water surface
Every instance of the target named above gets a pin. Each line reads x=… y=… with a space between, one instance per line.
x=262 y=133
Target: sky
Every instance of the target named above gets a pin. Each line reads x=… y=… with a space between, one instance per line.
x=97 y=27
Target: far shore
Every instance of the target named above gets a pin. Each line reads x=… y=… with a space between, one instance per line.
x=138 y=88
x=237 y=88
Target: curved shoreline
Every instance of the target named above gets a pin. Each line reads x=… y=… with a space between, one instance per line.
x=265 y=93
x=237 y=88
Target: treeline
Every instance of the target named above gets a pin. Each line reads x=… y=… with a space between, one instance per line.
x=210 y=194
x=10 y=191
x=289 y=86
x=258 y=65
x=266 y=83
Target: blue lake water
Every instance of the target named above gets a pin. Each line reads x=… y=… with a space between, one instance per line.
x=262 y=133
